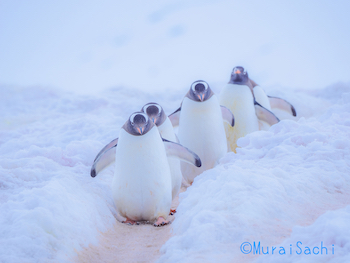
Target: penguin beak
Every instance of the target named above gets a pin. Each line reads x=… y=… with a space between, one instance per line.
x=140 y=130
x=237 y=71
x=201 y=96
x=154 y=120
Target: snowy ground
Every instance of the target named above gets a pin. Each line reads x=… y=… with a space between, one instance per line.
x=284 y=185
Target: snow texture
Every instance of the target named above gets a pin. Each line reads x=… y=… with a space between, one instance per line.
x=277 y=189
x=276 y=186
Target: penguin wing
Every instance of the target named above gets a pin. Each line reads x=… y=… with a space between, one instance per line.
x=104 y=158
x=282 y=104
x=175 y=149
x=227 y=115
x=264 y=114
x=175 y=117
x=108 y=146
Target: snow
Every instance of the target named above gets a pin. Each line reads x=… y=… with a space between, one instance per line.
x=330 y=229
x=277 y=185
x=285 y=184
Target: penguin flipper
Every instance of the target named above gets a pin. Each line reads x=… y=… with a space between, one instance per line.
x=282 y=104
x=104 y=158
x=175 y=117
x=175 y=149
x=227 y=115
x=264 y=114
x=108 y=146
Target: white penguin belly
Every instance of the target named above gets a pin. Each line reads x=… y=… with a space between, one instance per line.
x=166 y=130
x=141 y=185
x=201 y=130
x=239 y=99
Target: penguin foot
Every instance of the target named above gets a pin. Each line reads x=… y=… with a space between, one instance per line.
x=172 y=211
x=161 y=222
x=130 y=222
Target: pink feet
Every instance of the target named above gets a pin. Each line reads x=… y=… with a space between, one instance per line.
x=161 y=222
x=172 y=211
x=130 y=222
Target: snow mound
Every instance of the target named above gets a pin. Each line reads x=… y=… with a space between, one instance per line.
x=326 y=240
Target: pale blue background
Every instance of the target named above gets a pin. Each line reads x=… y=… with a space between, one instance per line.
x=88 y=46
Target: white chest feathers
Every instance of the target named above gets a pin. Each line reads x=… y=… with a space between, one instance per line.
x=142 y=184
x=239 y=99
x=201 y=130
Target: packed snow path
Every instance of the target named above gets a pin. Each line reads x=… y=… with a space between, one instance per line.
x=125 y=243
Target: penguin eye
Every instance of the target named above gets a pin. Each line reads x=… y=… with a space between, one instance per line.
x=199 y=86
x=193 y=88
x=153 y=109
x=138 y=117
x=159 y=109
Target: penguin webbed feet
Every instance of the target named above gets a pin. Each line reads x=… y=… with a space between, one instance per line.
x=161 y=222
x=172 y=212
x=130 y=222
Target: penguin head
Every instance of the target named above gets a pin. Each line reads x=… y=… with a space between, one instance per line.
x=155 y=113
x=200 y=91
x=239 y=76
x=138 y=124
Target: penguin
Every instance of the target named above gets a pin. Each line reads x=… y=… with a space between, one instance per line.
x=156 y=113
x=200 y=120
x=141 y=185
x=271 y=102
x=238 y=96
